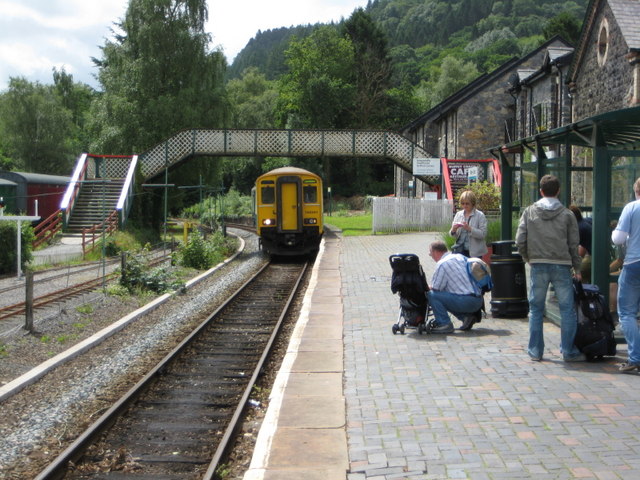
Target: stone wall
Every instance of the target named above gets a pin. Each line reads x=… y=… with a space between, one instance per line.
x=607 y=87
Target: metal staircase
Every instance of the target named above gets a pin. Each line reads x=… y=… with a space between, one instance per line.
x=94 y=203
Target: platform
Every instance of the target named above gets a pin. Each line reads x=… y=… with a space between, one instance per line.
x=353 y=401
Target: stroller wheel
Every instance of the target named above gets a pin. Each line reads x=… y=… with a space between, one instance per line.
x=402 y=329
x=422 y=329
x=395 y=329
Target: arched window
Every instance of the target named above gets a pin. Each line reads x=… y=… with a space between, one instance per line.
x=603 y=42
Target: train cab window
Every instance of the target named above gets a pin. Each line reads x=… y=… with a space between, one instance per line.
x=310 y=194
x=268 y=194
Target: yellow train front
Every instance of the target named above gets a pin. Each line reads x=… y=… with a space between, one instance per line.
x=288 y=208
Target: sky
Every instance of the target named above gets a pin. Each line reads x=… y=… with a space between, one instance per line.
x=38 y=35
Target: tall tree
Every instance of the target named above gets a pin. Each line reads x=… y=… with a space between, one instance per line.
x=252 y=100
x=318 y=91
x=37 y=128
x=372 y=65
x=158 y=77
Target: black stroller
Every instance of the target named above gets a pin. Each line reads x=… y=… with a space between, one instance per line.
x=409 y=281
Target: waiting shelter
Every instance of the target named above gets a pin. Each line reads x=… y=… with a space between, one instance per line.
x=597 y=161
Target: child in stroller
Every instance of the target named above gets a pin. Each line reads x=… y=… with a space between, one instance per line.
x=409 y=281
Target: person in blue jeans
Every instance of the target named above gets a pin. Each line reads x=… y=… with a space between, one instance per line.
x=452 y=291
x=548 y=238
x=627 y=232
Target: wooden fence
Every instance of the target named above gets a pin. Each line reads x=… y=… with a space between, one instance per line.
x=397 y=214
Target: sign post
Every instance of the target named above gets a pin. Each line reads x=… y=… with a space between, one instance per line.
x=18 y=219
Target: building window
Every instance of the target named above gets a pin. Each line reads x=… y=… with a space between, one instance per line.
x=603 y=42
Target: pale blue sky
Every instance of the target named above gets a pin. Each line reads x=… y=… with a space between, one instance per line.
x=37 y=35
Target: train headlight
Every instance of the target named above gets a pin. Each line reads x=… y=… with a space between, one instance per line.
x=268 y=222
x=310 y=221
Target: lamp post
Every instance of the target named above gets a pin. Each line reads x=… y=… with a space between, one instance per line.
x=165 y=186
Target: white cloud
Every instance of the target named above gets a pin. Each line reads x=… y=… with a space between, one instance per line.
x=36 y=35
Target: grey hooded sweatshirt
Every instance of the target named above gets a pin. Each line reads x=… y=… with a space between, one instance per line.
x=548 y=233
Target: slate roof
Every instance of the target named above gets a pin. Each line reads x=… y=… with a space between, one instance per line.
x=627 y=13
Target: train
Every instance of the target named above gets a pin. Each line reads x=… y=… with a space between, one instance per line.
x=288 y=209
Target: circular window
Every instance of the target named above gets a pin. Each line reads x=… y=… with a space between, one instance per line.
x=603 y=42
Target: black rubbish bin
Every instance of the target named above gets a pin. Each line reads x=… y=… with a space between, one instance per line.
x=509 y=293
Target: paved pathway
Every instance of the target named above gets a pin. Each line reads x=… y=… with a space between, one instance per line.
x=471 y=405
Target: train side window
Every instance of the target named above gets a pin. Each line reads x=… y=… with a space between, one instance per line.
x=268 y=194
x=310 y=194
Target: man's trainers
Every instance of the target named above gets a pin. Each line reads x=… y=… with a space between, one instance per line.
x=446 y=328
x=629 y=368
x=468 y=322
x=581 y=357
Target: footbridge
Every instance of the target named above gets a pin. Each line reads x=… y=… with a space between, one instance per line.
x=117 y=171
x=283 y=143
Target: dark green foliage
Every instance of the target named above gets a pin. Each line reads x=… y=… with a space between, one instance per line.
x=137 y=275
x=9 y=250
x=565 y=25
x=201 y=253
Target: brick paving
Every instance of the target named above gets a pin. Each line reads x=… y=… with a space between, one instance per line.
x=471 y=405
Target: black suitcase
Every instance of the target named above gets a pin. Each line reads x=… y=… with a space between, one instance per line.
x=594 y=336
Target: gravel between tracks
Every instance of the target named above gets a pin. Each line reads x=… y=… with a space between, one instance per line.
x=37 y=423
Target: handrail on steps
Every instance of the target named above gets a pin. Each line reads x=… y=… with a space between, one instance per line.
x=110 y=224
x=74 y=186
x=47 y=229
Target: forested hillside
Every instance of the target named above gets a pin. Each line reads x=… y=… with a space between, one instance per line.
x=421 y=33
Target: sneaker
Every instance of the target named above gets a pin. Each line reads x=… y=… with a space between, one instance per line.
x=468 y=322
x=535 y=359
x=446 y=328
x=581 y=357
x=629 y=368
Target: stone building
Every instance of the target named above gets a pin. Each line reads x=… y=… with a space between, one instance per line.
x=466 y=124
x=605 y=72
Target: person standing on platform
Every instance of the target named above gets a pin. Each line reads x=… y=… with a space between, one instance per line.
x=548 y=238
x=627 y=232
x=469 y=227
x=585 y=229
x=452 y=291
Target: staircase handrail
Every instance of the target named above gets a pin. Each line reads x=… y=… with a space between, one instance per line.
x=110 y=224
x=47 y=229
x=124 y=202
x=71 y=194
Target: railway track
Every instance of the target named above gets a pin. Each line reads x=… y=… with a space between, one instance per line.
x=64 y=294
x=178 y=421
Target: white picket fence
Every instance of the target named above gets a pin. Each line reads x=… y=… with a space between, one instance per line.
x=397 y=214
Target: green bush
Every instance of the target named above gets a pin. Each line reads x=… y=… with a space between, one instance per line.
x=136 y=276
x=487 y=195
x=201 y=253
x=9 y=250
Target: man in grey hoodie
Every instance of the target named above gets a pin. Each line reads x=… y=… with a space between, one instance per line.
x=548 y=238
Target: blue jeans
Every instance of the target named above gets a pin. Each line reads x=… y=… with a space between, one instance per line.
x=460 y=305
x=628 y=306
x=543 y=274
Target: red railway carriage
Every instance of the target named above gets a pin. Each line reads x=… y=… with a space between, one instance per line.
x=31 y=189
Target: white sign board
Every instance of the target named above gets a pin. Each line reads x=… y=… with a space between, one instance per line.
x=431 y=195
x=472 y=174
x=426 y=166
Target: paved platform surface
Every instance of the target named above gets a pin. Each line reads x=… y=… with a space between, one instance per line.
x=470 y=405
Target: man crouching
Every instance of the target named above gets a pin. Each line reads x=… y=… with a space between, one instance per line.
x=452 y=290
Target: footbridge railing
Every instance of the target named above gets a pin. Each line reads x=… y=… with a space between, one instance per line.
x=284 y=143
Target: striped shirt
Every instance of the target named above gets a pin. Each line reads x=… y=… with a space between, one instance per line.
x=451 y=275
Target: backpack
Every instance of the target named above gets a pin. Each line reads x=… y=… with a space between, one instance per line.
x=594 y=336
x=480 y=274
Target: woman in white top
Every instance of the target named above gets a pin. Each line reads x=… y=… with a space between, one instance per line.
x=469 y=227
